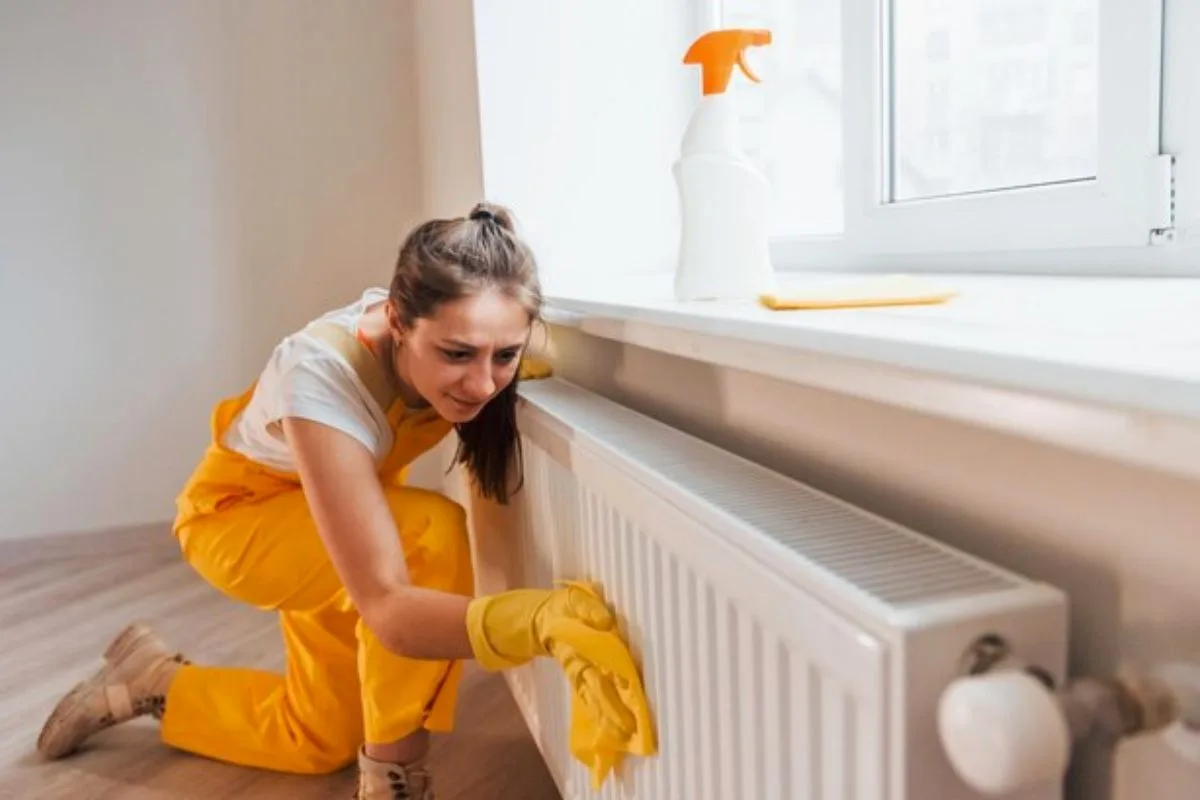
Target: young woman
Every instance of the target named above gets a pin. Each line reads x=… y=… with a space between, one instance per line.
x=298 y=506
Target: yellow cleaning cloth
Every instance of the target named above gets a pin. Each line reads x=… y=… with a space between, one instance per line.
x=533 y=368
x=886 y=290
x=610 y=714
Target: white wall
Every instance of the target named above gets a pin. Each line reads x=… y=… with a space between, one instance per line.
x=448 y=106
x=180 y=184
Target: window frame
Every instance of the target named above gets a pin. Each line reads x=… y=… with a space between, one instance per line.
x=1126 y=207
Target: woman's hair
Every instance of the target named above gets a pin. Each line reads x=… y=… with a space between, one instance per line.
x=446 y=259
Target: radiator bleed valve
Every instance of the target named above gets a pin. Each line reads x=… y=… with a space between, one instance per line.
x=1004 y=726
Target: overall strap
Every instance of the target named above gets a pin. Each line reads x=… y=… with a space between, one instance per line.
x=361 y=360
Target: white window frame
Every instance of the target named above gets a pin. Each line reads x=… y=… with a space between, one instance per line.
x=1127 y=205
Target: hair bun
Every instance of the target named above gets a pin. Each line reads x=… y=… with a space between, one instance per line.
x=490 y=212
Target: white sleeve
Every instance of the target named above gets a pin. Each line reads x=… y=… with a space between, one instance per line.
x=316 y=392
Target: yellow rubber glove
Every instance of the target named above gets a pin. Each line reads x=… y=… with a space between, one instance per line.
x=610 y=715
x=508 y=629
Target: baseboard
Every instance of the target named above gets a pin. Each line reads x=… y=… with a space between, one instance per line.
x=150 y=537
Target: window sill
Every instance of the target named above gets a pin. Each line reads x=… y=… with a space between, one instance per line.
x=1110 y=367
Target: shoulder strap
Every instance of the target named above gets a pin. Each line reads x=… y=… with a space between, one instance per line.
x=361 y=360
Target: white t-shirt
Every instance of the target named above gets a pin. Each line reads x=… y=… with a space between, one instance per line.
x=305 y=377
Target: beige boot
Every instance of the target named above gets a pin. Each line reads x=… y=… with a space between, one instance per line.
x=381 y=781
x=133 y=682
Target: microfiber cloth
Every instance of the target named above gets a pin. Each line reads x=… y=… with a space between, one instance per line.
x=533 y=368
x=886 y=290
x=610 y=715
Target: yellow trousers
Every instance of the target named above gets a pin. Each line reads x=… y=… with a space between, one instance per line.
x=341 y=687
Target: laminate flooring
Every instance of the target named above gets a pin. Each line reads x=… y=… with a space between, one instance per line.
x=56 y=615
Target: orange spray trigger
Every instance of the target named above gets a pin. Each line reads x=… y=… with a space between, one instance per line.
x=717 y=51
x=749 y=73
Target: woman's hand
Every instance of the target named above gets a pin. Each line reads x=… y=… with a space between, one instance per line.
x=610 y=714
x=511 y=628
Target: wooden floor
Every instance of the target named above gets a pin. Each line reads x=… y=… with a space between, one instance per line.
x=57 y=614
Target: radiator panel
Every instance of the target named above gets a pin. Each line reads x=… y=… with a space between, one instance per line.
x=793 y=646
x=700 y=649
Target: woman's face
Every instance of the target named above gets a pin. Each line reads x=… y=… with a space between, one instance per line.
x=464 y=354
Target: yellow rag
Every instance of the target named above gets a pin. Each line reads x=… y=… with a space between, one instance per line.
x=886 y=290
x=610 y=714
x=533 y=368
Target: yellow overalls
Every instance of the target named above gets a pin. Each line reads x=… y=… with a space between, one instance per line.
x=247 y=529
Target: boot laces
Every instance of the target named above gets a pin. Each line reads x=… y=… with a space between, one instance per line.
x=401 y=788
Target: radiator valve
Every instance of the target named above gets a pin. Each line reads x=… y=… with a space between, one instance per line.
x=1004 y=725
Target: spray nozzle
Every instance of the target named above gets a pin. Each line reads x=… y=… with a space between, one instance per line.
x=717 y=51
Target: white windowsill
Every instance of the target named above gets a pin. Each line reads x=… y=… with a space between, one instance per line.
x=1106 y=366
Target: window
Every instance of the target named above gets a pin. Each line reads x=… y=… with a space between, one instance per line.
x=1007 y=79
x=956 y=126
x=1015 y=80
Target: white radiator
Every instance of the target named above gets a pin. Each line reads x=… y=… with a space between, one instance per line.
x=794 y=647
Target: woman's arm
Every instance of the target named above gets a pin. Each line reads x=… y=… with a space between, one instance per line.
x=355 y=523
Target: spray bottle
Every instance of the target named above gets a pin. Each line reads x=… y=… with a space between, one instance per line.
x=724 y=200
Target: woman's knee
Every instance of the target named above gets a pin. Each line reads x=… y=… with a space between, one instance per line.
x=436 y=541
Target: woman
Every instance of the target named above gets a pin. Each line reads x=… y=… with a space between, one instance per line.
x=298 y=506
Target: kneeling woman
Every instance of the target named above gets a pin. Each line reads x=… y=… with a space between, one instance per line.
x=298 y=506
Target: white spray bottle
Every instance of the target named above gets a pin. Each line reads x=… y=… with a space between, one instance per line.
x=724 y=200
